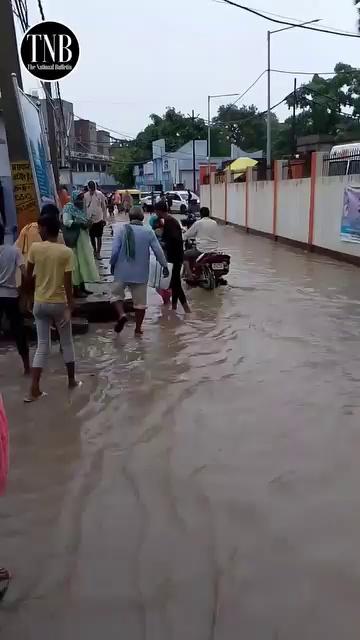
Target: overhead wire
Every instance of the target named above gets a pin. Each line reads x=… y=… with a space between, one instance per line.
x=312 y=73
x=259 y=14
x=21 y=13
x=41 y=9
x=299 y=20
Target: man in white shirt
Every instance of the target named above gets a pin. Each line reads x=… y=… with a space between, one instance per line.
x=95 y=207
x=205 y=232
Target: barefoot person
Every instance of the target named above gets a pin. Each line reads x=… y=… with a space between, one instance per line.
x=172 y=241
x=130 y=266
x=95 y=208
x=10 y=261
x=53 y=265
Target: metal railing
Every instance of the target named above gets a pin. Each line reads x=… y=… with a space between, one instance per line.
x=341 y=165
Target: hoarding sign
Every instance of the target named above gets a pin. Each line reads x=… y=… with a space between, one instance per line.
x=24 y=193
x=350 y=220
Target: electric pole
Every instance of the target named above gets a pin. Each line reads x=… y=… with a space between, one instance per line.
x=193 y=151
x=50 y=112
x=51 y=131
x=294 y=141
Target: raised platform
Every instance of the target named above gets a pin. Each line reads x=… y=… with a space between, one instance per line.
x=97 y=307
x=94 y=308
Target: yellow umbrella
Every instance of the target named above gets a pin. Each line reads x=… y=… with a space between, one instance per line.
x=241 y=164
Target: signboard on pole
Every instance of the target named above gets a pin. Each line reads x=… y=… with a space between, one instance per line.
x=350 y=220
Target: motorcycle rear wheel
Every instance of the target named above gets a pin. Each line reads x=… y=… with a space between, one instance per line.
x=209 y=282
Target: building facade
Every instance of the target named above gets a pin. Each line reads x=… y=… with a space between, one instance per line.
x=84 y=151
x=172 y=168
x=177 y=167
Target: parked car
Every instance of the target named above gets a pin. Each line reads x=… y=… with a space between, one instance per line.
x=146 y=200
x=180 y=200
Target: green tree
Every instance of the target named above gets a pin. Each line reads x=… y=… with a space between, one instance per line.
x=122 y=166
x=244 y=126
x=329 y=105
x=175 y=127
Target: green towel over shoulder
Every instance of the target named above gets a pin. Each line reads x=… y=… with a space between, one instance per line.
x=130 y=250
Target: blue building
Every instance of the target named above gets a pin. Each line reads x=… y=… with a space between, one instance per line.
x=170 y=168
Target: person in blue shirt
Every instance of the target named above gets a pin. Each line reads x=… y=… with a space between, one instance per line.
x=129 y=262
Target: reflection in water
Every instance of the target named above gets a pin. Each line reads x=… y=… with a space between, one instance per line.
x=203 y=481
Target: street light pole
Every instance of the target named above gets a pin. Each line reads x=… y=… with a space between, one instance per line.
x=209 y=153
x=193 y=152
x=268 y=136
x=269 y=34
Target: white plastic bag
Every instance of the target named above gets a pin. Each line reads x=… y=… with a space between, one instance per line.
x=156 y=278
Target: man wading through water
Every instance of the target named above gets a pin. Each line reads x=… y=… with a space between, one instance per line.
x=96 y=211
x=130 y=266
x=172 y=241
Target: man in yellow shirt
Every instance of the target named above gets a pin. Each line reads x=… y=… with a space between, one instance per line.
x=53 y=265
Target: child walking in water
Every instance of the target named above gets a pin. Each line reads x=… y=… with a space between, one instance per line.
x=52 y=264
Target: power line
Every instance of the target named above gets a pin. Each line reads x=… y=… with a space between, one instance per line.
x=300 y=20
x=41 y=9
x=229 y=106
x=125 y=135
x=313 y=73
x=304 y=73
x=290 y=24
x=21 y=12
x=247 y=90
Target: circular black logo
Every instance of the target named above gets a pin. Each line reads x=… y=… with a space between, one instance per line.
x=50 y=51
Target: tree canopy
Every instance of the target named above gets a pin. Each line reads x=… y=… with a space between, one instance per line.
x=329 y=105
x=324 y=106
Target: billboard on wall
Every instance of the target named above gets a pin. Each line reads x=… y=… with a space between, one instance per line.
x=350 y=220
x=38 y=148
x=32 y=175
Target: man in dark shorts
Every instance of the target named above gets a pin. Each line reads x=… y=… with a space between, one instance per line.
x=95 y=207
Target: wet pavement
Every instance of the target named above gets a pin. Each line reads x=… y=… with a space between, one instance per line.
x=204 y=482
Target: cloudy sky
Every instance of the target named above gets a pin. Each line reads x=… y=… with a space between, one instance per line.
x=139 y=56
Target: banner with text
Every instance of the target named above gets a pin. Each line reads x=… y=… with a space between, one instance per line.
x=350 y=221
x=24 y=192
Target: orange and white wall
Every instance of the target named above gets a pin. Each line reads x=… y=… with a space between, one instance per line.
x=307 y=211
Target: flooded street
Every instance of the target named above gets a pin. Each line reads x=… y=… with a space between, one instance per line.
x=203 y=484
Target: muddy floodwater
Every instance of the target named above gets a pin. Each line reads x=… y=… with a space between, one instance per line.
x=204 y=484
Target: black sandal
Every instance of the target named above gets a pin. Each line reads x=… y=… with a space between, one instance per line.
x=5 y=578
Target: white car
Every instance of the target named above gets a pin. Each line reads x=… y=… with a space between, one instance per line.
x=146 y=199
x=180 y=200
